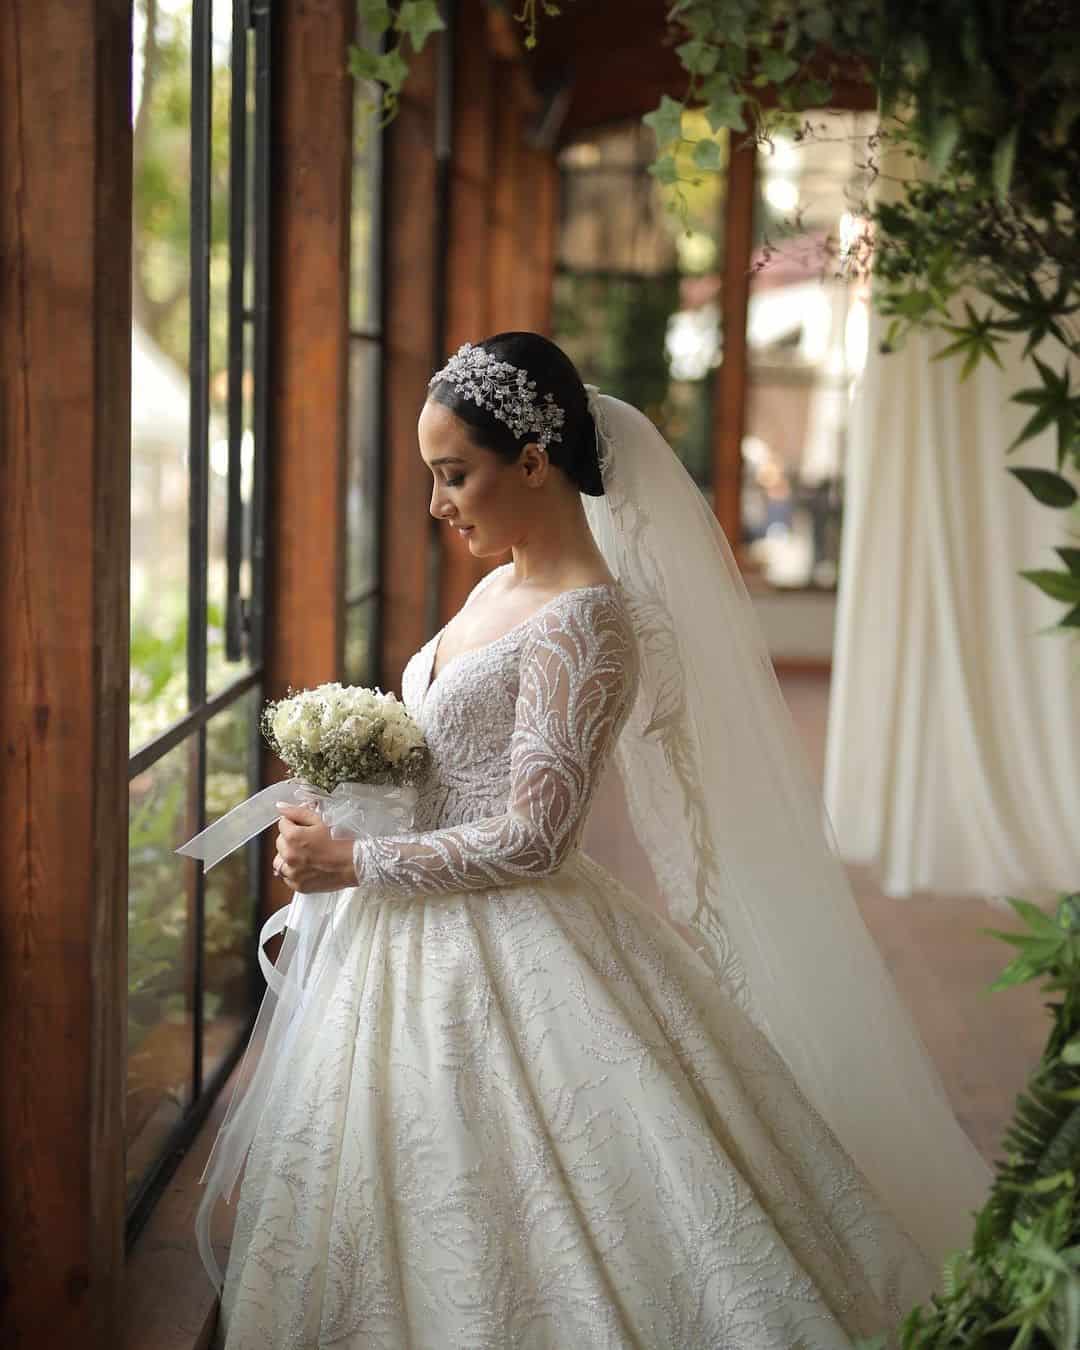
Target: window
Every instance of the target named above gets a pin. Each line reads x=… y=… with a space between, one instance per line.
x=637 y=296
x=365 y=391
x=200 y=90
x=806 y=334
x=638 y=305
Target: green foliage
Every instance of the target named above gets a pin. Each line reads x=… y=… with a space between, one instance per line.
x=1018 y=1285
x=158 y=921
x=989 y=97
x=161 y=171
x=380 y=55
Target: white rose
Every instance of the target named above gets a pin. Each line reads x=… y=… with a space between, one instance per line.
x=393 y=744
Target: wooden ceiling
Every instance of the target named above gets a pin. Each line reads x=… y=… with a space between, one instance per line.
x=613 y=59
x=604 y=61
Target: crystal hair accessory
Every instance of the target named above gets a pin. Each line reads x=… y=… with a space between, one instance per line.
x=505 y=390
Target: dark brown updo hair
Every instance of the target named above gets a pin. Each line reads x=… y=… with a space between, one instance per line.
x=555 y=374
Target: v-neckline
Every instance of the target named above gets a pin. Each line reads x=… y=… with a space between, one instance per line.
x=433 y=678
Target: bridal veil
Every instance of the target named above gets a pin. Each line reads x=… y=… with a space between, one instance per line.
x=714 y=793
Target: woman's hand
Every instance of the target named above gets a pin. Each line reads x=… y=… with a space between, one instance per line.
x=308 y=859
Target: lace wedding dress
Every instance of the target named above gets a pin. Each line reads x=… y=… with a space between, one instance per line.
x=519 y=1110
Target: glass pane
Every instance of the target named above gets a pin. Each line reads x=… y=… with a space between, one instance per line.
x=363 y=278
x=161 y=92
x=231 y=769
x=359 y=643
x=361 y=505
x=161 y=909
x=249 y=251
x=638 y=291
x=806 y=348
x=219 y=672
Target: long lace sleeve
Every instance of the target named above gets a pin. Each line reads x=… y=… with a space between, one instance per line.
x=576 y=682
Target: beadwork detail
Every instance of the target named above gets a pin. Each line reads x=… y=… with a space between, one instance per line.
x=504 y=390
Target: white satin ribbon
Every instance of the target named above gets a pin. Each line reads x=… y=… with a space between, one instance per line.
x=352 y=810
x=346 y=810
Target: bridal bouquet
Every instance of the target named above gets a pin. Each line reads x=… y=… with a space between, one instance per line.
x=355 y=756
x=355 y=752
x=335 y=733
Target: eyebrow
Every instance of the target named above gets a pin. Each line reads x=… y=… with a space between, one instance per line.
x=446 y=459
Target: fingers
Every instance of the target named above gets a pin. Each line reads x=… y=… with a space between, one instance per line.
x=299 y=815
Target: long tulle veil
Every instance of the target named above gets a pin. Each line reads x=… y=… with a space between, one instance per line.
x=719 y=800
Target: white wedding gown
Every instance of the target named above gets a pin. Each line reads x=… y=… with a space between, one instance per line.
x=519 y=1111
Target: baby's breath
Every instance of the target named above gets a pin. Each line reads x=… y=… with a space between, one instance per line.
x=338 y=733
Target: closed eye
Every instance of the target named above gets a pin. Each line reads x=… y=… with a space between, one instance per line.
x=455 y=482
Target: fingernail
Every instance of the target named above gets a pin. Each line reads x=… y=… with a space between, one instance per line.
x=282 y=803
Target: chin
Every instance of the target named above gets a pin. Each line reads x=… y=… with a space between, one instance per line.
x=474 y=547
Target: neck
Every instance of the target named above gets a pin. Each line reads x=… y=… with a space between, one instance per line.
x=560 y=546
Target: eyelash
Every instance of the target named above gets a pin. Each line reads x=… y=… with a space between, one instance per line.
x=455 y=482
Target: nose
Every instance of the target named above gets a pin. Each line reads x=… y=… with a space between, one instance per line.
x=439 y=506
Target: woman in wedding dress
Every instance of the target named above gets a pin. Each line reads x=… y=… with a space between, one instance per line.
x=524 y=1102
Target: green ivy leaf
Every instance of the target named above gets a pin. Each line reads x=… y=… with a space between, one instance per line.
x=1047 y=487
x=708 y=156
x=363 y=64
x=723 y=104
x=391 y=69
x=666 y=122
x=665 y=170
x=698 y=57
x=375 y=17
x=419 y=19
x=776 y=67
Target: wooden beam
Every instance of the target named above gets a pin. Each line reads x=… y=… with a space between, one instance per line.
x=470 y=299
x=410 y=188
x=65 y=438
x=311 y=119
x=731 y=375
x=312 y=124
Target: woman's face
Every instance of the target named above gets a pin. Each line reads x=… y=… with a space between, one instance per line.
x=488 y=501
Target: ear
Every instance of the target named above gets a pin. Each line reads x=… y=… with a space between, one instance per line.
x=535 y=464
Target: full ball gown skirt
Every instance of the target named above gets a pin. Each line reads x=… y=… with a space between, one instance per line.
x=519 y=1110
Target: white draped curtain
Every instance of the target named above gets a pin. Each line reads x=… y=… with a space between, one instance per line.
x=953 y=753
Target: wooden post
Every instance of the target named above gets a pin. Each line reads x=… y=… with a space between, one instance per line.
x=312 y=124
x=410 y=160
x=309 y=349
x=65 y=441
x=504 y=220
x=469 y=302
x=732 y=374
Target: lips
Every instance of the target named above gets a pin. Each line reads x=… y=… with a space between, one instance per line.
x=463 y=529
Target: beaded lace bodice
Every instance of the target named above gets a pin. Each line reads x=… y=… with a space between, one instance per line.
x=520 y=731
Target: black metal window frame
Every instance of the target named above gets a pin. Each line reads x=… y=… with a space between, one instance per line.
x=373 y=338
x=244 y=630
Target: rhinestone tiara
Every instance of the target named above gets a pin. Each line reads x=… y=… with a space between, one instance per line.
x=505 y=390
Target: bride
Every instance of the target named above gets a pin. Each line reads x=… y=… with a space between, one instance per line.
x=553 y=1083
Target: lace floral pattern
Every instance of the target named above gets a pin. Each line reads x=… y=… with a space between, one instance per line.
x=519 y=1111
x=576 y=677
